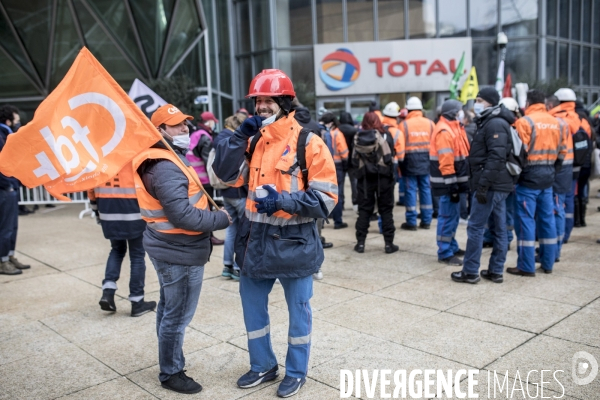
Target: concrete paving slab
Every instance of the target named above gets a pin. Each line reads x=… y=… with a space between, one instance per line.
x=9 y=321
x=311 y=390
x=513 y=310
x=324 y=295
x=28 y=340
x=581 y=327
x=37 y=269
x=552 y=354
x=118 y=389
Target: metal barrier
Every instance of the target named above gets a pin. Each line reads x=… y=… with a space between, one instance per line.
x=39 y=195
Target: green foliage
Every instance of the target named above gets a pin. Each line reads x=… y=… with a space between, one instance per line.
x=305 y=91
x=179 y=91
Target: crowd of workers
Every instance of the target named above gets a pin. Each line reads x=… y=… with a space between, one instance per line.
x=281 y=174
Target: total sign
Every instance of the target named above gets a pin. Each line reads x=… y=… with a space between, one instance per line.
x=395 y=66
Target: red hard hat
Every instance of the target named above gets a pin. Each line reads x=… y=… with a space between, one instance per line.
x=271 y=82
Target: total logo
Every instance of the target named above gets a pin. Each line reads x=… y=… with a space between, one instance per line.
x=339 y=69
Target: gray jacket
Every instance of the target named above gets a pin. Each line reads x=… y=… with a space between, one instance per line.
x=168 y=184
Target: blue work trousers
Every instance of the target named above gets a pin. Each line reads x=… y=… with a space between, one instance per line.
x=412 y=184
x=180 y=287
x=446 y=227
x=236 y=209
x=559 y=221
x=401 y=190
x=137 y=276
x=530 y=202
x=255 y=300
x=336 y=213
x=9 y=219
x=510 y=221
x=570 y=211
x=496 y=209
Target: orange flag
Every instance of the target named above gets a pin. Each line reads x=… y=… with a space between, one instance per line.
x=81 y=135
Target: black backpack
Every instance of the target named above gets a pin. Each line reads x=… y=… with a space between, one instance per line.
x=373 y=153
x=582 y=147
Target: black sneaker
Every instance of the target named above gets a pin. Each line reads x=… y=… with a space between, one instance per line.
x=227 y=271
x=391 y=248
x=142 y=307
x=235 y=274
x=434 y=215
x=546 y=271
x=460 y=253
x=488 y=245
x=251 y=378
x=496 y=278
x=359 y=248
x=452 y=260
x=107 y=302
x=290 y=386
x=408 y=227
x=401 y=203
x=181 y=383
x=464 y=278
x=341 y=225
x=423 y=225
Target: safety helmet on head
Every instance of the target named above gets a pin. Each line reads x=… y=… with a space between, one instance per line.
x=271 y=82
x=414 y=103
x=565 y=94
x=510 y=104
x=391 y=109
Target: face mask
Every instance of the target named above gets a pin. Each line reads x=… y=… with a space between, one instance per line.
x=460 y=116
x=182 y=141
x=16 y=126
x=269 y=120
x=478 y=108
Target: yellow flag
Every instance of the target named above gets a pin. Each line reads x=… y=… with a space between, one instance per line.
x=470 y=88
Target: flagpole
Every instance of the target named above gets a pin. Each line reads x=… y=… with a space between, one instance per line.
x=194 y=176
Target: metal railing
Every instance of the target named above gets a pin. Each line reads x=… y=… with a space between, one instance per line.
x=39 y=195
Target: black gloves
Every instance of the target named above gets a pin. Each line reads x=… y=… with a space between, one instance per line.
x=454 y=195
x=251 y=125
x=481 y=195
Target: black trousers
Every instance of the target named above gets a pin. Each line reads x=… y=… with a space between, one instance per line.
x=372 y=189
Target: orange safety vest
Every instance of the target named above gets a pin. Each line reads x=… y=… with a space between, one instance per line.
x=150 y=208
x=541 y=133
x=340 y=148
x=121 y=186
x=417 y=131
x=448 y=152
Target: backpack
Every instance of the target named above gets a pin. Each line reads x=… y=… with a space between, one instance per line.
x=582 y=147
x=215 y=182
x=517 y=155
x=372 y=153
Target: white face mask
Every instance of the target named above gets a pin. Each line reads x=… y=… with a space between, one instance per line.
x=182 y=141
x=478 y=108
x=269 y=120
x=460 y=116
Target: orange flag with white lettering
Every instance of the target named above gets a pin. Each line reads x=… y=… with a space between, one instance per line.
x=81 y=135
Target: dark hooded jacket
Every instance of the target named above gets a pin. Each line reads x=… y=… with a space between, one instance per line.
x=305 y=120
x=348 y=129
x=490 y=149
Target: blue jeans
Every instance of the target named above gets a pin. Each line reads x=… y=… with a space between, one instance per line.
x=236 y=208
x=530 y=202
x=9 y=219
x=138 y=266
x=570 y=211
x=255 y=300
x=495 y=207
x=401 y=190
x=336 y=213
x=559 y=221
x=510 y=221
x=446 y=227
x=179 y=293
x=412 y=184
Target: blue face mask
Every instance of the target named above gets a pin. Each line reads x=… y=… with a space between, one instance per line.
x=478 y=108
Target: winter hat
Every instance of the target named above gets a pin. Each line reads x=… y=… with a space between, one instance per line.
x=490 y=95
x=450 y=108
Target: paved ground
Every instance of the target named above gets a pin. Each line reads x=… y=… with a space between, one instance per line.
x=372 y=311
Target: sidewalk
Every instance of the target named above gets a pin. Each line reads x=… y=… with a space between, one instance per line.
x=371 y=311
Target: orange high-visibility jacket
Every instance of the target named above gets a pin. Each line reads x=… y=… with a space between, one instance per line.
x=285 y=244
x=392 y=126
x=340 y=148
x=417 y=131
x=151 y=208
x=540 y=132
x=448 y=152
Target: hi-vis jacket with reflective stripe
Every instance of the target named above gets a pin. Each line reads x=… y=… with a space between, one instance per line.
x=117 y=206
x=540 y=132
x=566 y=112
x=399 y=146
x=285 y=245
x=417 y=131
x=448 y=154
x=340 y=148
x=563 y=180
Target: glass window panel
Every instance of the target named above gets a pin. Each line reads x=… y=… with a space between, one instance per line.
x=575 y=19
x=245 y=74
x=66 y=44
x=485 y=61
x=330 y=27
x=483 y=18
x=193 y=66
x=596 y=68
x=32 y=20
x=587 y=21
x=421 y=15
x=261 y=23
x=262 y=61
x=563 y=18
x=453 y=18
x=360 y=20
x=521 y=60
x=223 y=44
x=226 y=110
x=585 y=65
x=243 y=26
x=294 y=22
x=186 y=28
x=391 y=19
x=596 y=26
x=298 y=65
x=551 y=21
x=10 y=43
x=519 y=18
x=550 y=60
x=575 y=66
x=12 y=81
x=563 y=61
x=151 y=18
x=213 y=39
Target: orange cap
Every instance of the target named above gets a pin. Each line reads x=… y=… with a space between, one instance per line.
x=169 y=115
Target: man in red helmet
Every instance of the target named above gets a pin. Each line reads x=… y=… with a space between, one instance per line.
x=292 y=181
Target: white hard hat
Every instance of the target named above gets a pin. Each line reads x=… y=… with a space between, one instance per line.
x=565 y=94
x=391 y=109
x=414 y=103
x=510 y=104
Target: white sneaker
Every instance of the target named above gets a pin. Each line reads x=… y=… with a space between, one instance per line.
x=462 y=221
x=318 y=275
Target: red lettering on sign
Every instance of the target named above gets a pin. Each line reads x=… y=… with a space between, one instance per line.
x=453 y=65
x=392 y=71
x=417 y=64
x=379 y=61
x=437 y=66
